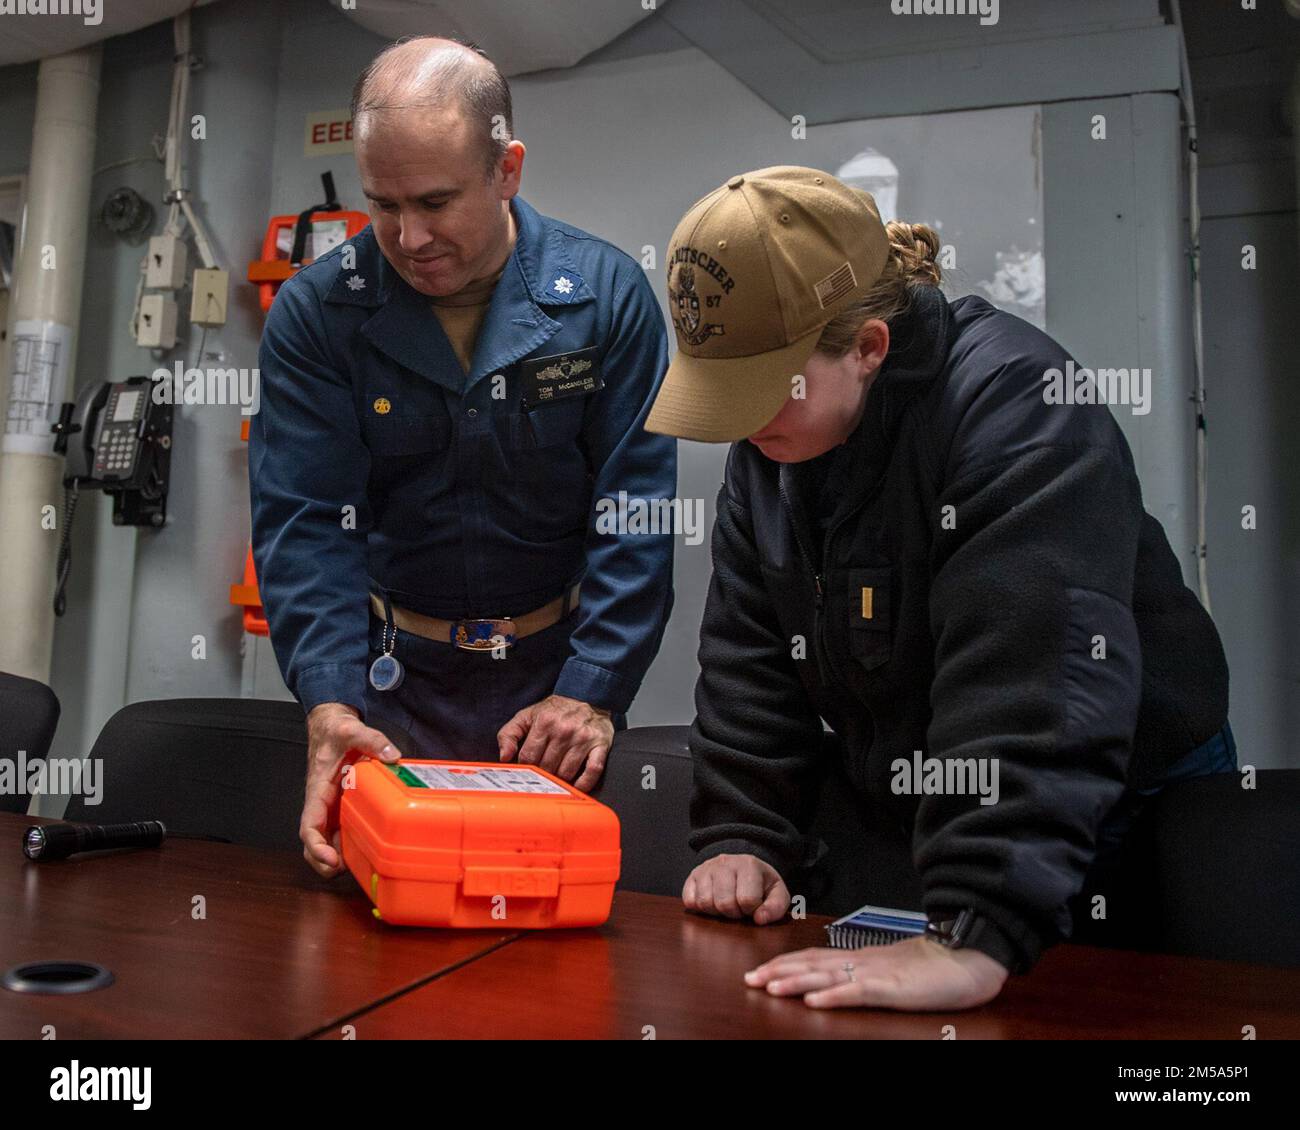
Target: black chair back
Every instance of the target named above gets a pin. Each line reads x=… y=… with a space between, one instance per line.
x=647 y=782
x=1229 y=864
x=29 y=713
x=226 y=768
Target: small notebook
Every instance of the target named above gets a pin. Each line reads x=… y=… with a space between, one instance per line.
x=874 y=926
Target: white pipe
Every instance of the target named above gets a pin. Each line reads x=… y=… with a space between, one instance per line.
x=1295 y=103
x=1198 y=341
x=45 y=313
x=177 y=131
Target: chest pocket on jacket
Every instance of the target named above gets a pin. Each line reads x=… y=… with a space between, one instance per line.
x=395 y=435
x=549 y=424
x=551 y=476
x=871 y=629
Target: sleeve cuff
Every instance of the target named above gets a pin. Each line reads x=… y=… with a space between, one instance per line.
x=332 y=682
x=1005 y=938
x=992 y=942
x=783 y=867
x=589 y=683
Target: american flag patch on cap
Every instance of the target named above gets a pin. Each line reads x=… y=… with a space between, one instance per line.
x=835 y=285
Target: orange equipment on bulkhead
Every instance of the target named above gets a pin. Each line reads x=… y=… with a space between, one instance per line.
x=292 y=242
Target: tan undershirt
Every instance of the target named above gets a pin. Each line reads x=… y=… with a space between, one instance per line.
x=462 y=313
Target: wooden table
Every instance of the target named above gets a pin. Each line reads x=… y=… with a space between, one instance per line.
x=654 y=967
x=282 y=953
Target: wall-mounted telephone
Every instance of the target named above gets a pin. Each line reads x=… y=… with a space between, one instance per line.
x=119 y=441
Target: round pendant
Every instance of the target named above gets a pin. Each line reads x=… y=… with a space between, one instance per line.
x=386 y=673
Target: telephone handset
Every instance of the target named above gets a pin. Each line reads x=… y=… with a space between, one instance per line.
x=119 y=441
x=77 y=435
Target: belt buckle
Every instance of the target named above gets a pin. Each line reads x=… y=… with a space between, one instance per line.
x=482 y=635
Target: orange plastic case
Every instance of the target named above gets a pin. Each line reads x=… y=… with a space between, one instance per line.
x=469 y=844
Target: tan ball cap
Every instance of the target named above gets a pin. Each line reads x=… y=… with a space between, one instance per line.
x=756 y=270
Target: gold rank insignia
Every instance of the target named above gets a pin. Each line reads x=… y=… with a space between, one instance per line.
x=867 y=593
x=382 y=406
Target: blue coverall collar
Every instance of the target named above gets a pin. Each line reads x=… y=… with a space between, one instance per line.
x=538 y=273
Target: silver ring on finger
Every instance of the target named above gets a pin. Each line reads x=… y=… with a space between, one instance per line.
x=848 y=970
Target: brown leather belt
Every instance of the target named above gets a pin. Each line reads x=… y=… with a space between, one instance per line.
x=481 y=634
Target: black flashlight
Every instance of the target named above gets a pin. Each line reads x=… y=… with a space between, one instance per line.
x=58 y=841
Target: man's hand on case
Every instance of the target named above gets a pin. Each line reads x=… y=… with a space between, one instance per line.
x=564 y=736
x=336 y=736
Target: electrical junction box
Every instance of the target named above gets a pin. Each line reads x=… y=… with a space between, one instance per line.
x=208 y=297
x=156 y=326
x=165 y=265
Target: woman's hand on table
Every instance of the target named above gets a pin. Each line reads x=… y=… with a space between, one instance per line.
x=916 y=975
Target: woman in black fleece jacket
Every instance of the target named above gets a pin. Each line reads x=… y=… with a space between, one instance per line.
x=931 y=537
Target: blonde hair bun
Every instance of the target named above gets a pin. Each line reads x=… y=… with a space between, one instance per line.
x=915 y=247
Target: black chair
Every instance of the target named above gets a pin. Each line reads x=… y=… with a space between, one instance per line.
x=647 y=782
x=1229 y=865
x=230 y=769
x=1209 y=869
x=29 y=713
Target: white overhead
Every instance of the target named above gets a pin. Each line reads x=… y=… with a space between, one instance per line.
x=30 y=32
x=519 y=35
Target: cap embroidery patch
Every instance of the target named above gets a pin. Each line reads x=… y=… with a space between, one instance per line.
x=684 y=304
x=836 y=285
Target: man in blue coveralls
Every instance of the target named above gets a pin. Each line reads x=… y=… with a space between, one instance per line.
x=444 y=398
